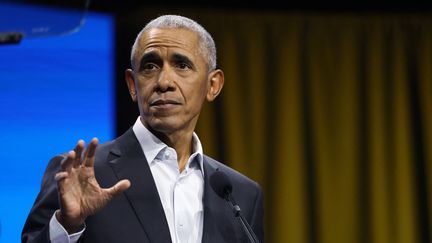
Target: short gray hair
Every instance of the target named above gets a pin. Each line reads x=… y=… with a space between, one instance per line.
x=206 y=43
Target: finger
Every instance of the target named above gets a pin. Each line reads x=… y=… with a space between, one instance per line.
x=90 y=152
x=118 y=188
x=60 y=176
x=66 y=163
x=78 y=152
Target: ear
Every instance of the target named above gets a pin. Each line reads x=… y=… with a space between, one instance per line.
x=216 y=80
x=130 y=81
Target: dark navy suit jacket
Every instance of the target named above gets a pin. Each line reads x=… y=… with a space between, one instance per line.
x=137 y=214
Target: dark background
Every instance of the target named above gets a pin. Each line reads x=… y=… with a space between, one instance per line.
x=127 y=25
x=114 y=6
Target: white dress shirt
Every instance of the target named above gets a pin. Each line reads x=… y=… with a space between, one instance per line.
x=180 y=192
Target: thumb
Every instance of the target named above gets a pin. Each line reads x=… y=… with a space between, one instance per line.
x=118 y=188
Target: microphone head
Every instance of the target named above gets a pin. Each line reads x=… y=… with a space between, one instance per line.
x=221 y=184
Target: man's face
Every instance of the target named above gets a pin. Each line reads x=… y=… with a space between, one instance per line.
x=169 y=80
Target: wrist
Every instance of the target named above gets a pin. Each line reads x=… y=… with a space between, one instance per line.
x=70 y=225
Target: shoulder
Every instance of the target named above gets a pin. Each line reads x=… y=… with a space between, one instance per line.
x=123 y=144
x=103 y=149
x=102 y=152
x=236 y=178
x=245 y=192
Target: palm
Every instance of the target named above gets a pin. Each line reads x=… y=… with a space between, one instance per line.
x=80 y=193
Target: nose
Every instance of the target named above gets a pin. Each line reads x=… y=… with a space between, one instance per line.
x=165 y=82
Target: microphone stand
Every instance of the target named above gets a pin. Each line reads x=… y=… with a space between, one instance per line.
x=237 y=213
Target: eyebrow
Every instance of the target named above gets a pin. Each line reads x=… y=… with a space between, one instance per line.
x=150 y=57
x=154 y=57
x=177 y=58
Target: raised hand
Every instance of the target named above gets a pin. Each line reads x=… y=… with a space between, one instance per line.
x=79 y=193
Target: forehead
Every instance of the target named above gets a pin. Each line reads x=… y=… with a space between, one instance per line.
x=182 y=40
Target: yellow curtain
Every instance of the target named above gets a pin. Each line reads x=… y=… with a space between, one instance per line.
x=332 y=115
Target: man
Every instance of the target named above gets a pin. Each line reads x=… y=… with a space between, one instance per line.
x=161 y=189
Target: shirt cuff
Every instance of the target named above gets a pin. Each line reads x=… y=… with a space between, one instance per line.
x=58 y=234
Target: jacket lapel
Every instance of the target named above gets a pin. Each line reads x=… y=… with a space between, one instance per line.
x=128 y=162
x=215 y=208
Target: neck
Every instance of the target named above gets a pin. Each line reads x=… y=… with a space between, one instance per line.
x=181 y=141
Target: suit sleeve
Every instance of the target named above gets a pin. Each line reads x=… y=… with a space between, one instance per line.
x=36 y=227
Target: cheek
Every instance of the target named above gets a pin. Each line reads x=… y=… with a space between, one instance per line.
x=144 y=88
x=197 y=94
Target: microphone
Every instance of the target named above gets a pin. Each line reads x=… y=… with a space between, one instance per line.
x=221 y=184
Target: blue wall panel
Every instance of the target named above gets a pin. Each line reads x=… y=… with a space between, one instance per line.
x=53 y=91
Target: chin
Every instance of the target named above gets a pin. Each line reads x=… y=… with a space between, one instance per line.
x=164 y=126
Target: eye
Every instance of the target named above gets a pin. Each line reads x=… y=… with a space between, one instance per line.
x=149 y=66
x=183 y=66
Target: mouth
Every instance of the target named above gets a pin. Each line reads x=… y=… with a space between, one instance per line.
x=164 y=103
